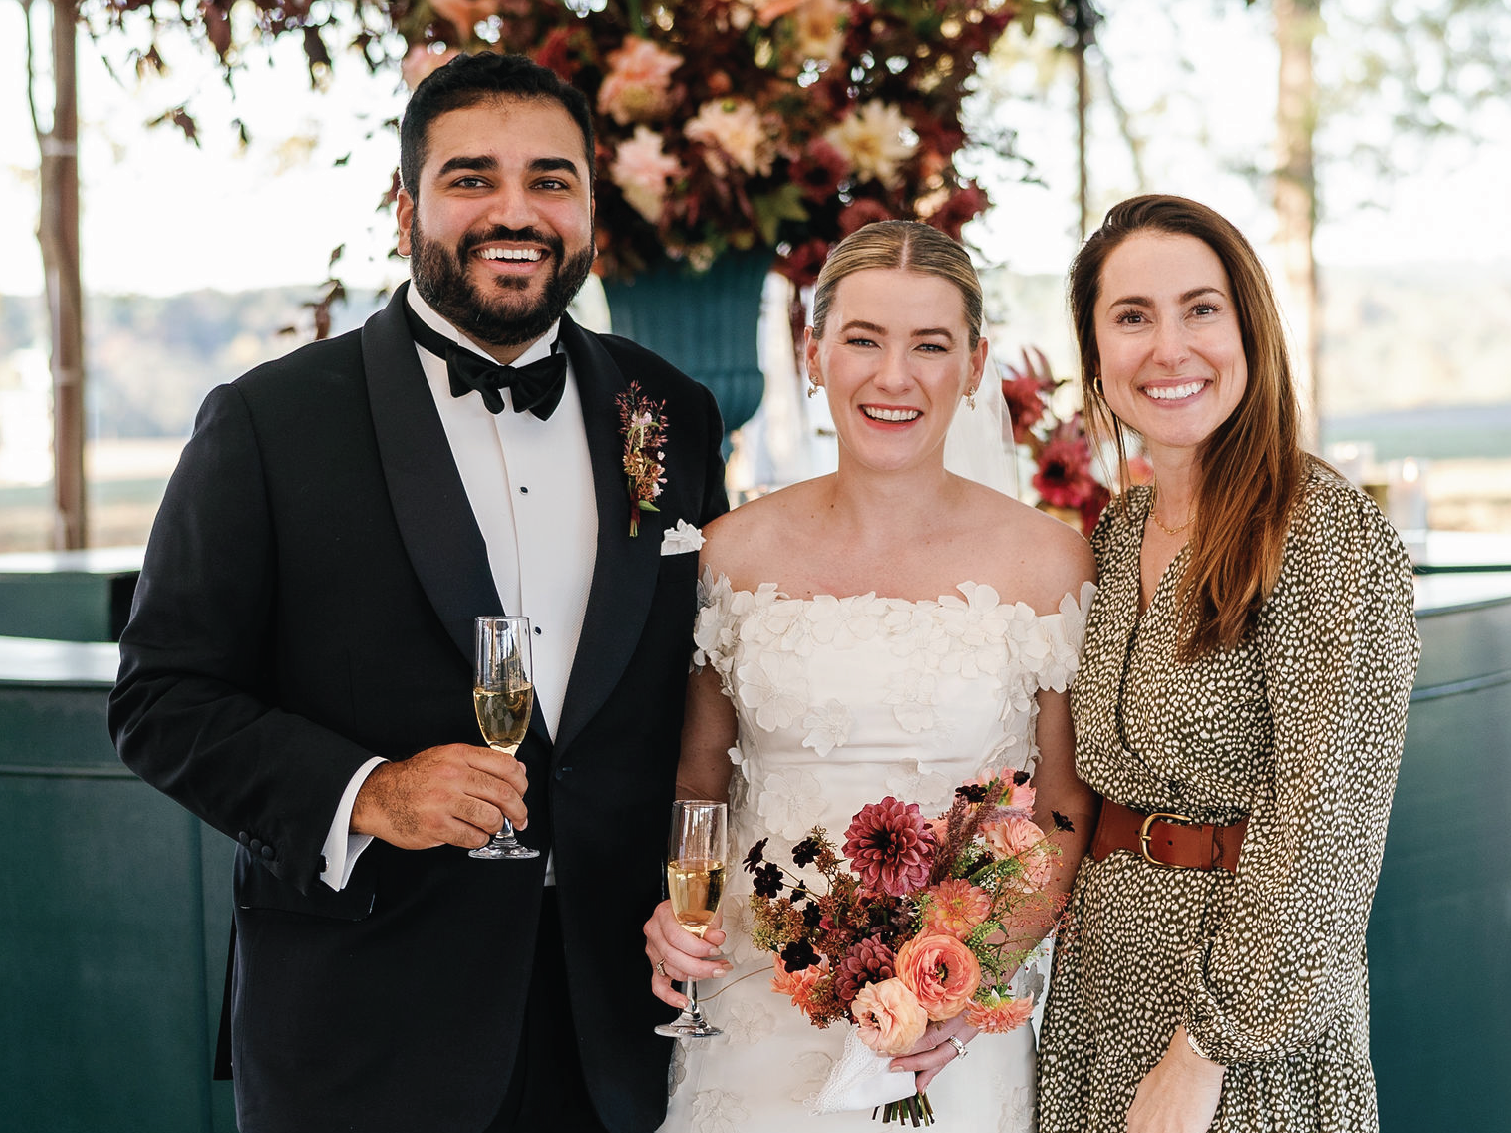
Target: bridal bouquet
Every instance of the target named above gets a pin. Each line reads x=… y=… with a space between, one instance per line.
x=920 y=919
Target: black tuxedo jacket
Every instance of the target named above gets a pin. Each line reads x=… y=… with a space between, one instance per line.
x=306 y=603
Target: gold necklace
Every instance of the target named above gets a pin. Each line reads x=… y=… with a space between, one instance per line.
x=1153 y=514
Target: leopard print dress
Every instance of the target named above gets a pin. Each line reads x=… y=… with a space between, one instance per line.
x=1300 y=728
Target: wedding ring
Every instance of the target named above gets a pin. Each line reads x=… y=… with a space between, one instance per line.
x=957 y=1044
x=661 y=967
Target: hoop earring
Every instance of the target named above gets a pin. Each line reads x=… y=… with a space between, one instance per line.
x=813 y=387
x=1096 y=384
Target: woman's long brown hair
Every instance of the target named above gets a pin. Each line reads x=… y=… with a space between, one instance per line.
x=1252 y=467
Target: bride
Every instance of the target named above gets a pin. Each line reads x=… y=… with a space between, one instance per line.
x=891 y=628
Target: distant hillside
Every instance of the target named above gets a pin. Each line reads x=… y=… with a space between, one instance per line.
x=1416 y=360
x=1411 y=356
x=152 y=360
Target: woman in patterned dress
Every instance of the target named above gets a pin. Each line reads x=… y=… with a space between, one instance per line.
x=891 y=628
x=1249 y=656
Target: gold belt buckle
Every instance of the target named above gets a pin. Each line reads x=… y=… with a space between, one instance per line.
x=1143 y=838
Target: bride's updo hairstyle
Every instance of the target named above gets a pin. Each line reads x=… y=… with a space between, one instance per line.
x=1252 y=466
x=900 y=245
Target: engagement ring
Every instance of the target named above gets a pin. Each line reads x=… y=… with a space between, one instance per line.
x=661 y=967
x=957 y=1044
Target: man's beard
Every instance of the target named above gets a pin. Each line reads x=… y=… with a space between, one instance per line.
x=440 y=276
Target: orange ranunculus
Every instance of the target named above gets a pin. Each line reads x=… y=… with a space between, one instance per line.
x=890 y=1017
x=956 y=908
x=1022 y=839
x=1001 y=1015
x=941 y=971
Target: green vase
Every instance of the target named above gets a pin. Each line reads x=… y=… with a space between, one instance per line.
x=704 y=323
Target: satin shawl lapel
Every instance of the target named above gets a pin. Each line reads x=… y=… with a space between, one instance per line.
x=625 y=570
x=435 y=518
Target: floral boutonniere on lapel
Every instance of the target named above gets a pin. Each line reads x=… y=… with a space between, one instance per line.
x=643 y=422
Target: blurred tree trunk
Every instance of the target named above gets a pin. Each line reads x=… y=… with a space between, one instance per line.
x=1298 y=23
x=58 y=235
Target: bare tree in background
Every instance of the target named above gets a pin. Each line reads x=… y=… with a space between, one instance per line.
x=58 y=234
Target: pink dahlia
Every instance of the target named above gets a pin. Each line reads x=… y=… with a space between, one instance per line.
x=868 y=962
x=890 y=847
x=956 y=908
x=998 y=1015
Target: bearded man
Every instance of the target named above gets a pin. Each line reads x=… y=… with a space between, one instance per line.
x=297 y=670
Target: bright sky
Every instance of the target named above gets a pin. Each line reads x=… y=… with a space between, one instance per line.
x=161 y=216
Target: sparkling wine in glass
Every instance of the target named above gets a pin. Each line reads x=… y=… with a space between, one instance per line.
x=695 y=863
x=501 y=697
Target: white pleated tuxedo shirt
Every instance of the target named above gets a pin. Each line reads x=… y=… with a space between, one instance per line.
x=530 y=484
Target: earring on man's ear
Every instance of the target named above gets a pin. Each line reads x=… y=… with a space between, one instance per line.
x=813 y=387
x=970 y=398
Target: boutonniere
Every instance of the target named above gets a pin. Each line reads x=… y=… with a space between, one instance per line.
x=644 y=424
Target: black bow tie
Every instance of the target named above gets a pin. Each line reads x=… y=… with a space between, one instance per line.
x=536 y=386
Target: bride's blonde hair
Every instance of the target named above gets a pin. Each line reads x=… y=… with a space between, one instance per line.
x=903 y=245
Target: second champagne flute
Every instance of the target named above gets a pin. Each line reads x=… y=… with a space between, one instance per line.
x=695 y=883
x=502 y=694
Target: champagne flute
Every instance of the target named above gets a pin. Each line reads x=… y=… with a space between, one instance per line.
x=695 y=882
x=502 y=696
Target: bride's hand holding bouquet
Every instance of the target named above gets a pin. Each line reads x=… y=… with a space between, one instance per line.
x=914 y=935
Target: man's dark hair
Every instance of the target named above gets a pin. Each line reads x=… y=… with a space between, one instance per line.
x=470 y=79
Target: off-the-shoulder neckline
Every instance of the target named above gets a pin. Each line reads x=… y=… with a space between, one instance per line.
x=1081 y=601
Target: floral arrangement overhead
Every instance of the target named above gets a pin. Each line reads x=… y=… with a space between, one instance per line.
x=926 y=920
x=742 y=124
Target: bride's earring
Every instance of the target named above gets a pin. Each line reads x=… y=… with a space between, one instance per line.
x=813 y=387
x=970 y=398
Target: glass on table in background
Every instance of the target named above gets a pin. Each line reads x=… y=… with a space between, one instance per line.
x=695 y=859
x=502 y=694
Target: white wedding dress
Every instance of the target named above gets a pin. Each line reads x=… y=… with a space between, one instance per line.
x=841 y=702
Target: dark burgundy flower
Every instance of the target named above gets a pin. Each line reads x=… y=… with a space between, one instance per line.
x=890 y=847
x=768 y=880
x=820 y=170
x=1025 y=405
x=964 y=204
x=798 y=955
x=856 y=215
x=1064 y=477
x=756 y=856
x=1096 y=501
x=806 y=852
x=870 y=961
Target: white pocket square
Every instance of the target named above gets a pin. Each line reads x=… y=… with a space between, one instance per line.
x=682 y=538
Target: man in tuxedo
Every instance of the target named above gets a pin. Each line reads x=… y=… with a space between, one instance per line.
x=297 y=670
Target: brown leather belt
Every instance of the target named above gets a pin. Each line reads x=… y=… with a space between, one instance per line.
x=1166 y=839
